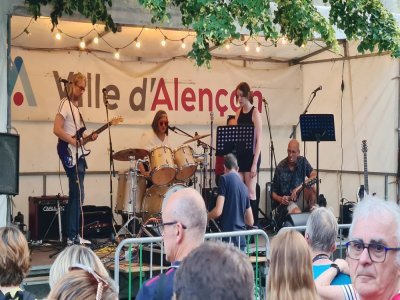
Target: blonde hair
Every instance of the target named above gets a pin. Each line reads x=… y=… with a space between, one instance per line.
x=14 y=257
x=75 y=79
x=80 y=284
x=71 y=255
x=290 y=274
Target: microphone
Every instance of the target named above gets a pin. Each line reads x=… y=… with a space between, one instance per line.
x=66 y=81
x=317 y=89
x=105 y=97
x=171 y=128
x=265 y=101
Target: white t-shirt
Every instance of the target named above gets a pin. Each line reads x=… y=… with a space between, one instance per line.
x=65 y=110
x=150 y=140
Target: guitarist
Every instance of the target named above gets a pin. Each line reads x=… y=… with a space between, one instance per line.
x=65 y=129
x=288 y=183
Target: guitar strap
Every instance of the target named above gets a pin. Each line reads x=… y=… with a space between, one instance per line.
x=82 y=120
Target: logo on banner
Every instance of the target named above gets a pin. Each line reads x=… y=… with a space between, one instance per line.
x=18 y=70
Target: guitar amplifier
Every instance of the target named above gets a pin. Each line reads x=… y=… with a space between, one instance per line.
x=43 y=217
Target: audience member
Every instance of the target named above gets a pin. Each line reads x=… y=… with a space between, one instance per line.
x=75 y=254
x=290 y=274
x=14 y=263
x=184 y=220
x=373 y=250
x=321 y=233
x=217 y=271
x=81 y=282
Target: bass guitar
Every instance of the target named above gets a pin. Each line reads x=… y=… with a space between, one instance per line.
x=66 y=152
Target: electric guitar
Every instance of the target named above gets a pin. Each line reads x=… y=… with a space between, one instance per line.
x=281 y=210
x=364 y=189
x=66 y=152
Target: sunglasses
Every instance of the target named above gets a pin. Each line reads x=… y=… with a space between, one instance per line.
x=81 y=87
x=163 y=123
x=101 y=283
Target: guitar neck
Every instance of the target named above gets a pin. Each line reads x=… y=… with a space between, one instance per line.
x=99 y=130
x=365 y=174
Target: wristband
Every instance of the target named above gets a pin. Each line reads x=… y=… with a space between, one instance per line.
x=333 y=265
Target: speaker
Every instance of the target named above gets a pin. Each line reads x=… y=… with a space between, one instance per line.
x=298 y=219
x=9 y=164
x=346 y=215
x=43 y=218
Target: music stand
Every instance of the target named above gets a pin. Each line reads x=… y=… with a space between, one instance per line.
x=317 y=128
x=237 y=139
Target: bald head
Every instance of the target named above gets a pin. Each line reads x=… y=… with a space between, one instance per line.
x=294 y=144
x=293 y=151
x=187 y=206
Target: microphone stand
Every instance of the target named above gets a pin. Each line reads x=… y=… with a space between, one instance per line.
x=272 y=154
x=111 y=152
x=211 y=148
x=312 y=96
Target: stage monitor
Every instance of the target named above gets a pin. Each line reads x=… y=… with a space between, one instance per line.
x=9 y=164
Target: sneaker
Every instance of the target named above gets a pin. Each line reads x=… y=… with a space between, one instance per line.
x=81 y=241
x=70 y=242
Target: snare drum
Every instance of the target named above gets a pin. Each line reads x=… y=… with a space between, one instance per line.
x=156 y=197
x=162 y=167
x=125 y=192
x=185 y=162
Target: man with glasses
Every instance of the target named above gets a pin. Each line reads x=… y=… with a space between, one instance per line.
x=69 y=128
x=373 y=250
x=288 y=182
x=183 y=226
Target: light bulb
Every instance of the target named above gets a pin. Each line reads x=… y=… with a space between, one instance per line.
x=82 y=44
x=246 y=47
x=183 y=45
x=58 y=36
x=137 y=44
x=116 y=54
x=284 y=40
x=227 y=46
x=96 y=40
x=163 y=42
x=258 y=49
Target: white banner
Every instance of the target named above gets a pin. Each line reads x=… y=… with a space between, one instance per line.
x=135 y=90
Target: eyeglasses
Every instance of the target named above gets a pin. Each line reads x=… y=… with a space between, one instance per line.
x=376 y=251
x=101 y=283
x=163 y=123
x=161 y=226
x=82 y=88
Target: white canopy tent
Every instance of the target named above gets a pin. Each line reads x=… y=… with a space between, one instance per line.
x=285 y=75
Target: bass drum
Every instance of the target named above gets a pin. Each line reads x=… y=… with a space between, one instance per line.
x=155 y=199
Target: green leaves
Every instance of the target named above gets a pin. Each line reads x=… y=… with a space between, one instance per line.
x=217 y=21
x=95 y=10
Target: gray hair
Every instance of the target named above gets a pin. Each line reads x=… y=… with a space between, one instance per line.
x=322 y=229
x=230 y=162
x=236 y=281
x=373 y=206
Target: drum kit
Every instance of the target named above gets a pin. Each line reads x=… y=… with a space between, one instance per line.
x=169 y=171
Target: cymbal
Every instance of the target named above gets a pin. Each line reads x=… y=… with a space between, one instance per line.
x=125 y=155
x=197 y=137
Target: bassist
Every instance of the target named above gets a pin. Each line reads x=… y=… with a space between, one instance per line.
x=68 y=122
x=289 y=181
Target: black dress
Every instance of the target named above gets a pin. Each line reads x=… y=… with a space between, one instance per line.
x=245 y=160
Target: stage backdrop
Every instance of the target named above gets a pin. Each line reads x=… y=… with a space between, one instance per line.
x=136 y=90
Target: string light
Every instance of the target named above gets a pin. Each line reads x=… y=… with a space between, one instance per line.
x=27 y=32
x=246 y=47
x=227 y=46
x=96 y=40
x=116 y=54
x=58 y=35
x=137 y=44
x=183 y=45
x=284 y=40
x=163 y=42
x=258 y=49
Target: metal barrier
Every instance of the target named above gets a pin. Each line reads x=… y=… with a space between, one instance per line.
x=340 y=244
x=155 y=245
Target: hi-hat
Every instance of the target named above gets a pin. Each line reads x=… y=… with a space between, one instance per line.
x=129 y=153
x=197 y=137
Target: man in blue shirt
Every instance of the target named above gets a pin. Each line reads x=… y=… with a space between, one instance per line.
x=233 y=205
x=184 y=220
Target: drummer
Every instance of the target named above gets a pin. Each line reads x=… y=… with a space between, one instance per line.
x=156 y=137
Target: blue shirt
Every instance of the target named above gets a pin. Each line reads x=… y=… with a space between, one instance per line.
x=340 y=279
x=150 y=288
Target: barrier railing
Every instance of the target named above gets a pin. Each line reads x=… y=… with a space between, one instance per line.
x=151 y=249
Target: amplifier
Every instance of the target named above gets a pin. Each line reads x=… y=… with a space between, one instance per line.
x=43 y=217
